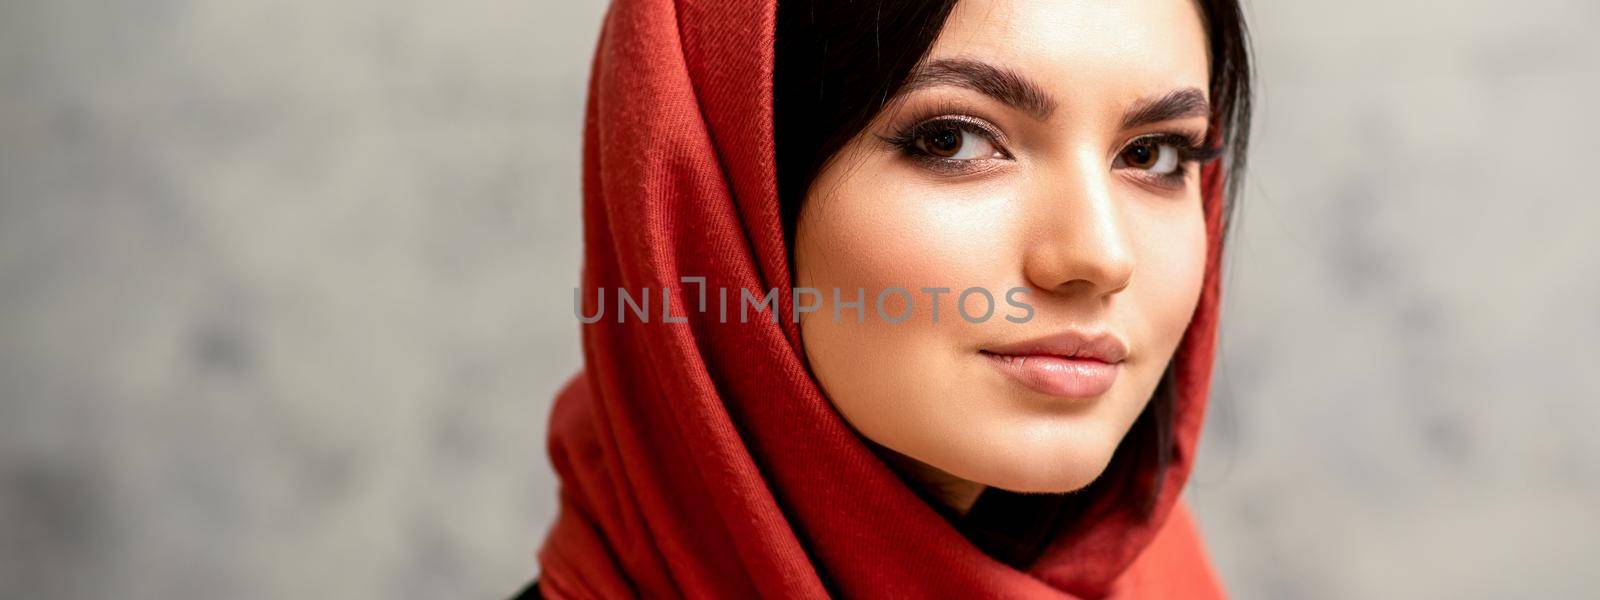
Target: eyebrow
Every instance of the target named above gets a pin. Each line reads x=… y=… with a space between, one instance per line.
x=999 y=83
x=1019 y=92
x=1177 y=104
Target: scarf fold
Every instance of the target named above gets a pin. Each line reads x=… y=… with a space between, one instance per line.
x=699 y=458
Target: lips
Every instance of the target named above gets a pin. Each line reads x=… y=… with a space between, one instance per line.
x=1071 y=364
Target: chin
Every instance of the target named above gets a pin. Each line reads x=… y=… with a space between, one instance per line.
x=1055 y=463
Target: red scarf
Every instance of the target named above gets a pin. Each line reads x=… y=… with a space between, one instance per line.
x=700 y=459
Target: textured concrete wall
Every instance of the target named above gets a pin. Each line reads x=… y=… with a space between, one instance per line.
x=275 y=294
x=284 y=296
x=1410 y=382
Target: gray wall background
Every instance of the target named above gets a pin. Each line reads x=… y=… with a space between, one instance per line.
x=283 y=299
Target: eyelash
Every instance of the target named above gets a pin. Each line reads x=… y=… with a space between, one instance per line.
x=1191 y=149
x=905 y=139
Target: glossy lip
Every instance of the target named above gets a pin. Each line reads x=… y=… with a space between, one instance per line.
x=1072 y=364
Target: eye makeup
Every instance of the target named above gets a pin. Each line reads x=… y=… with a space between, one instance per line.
x=1190 y=149
x=922 y=138
x=932 y=143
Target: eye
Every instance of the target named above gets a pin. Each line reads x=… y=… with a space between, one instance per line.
x=952 y=140
x=1151 y=155
x=952 y=144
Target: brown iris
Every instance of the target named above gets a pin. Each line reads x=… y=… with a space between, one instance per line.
x=1141 y=155
x=943 y=142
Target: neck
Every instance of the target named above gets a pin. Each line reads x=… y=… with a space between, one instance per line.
x=953 y=492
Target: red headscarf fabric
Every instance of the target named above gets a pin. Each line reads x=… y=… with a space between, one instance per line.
x=700 y=459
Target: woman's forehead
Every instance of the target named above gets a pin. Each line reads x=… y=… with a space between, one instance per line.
x=1084 y=49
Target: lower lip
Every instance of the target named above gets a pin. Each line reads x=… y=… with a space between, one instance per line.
x=1057 y=375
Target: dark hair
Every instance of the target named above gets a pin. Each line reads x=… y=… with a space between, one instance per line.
x=840 y=62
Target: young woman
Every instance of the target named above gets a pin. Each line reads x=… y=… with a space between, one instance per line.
x=935 y=294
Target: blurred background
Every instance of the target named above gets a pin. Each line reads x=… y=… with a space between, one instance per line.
x=284 y=296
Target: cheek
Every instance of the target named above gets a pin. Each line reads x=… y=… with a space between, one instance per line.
x=1167 y=288
x=877 y=231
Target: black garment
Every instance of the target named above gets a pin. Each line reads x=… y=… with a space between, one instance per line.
x=530 y=593
x=1015 y=528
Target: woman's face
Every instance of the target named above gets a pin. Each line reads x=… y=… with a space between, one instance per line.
x=1044 y=145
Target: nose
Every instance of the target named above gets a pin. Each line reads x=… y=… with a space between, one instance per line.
x=1079 y=243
